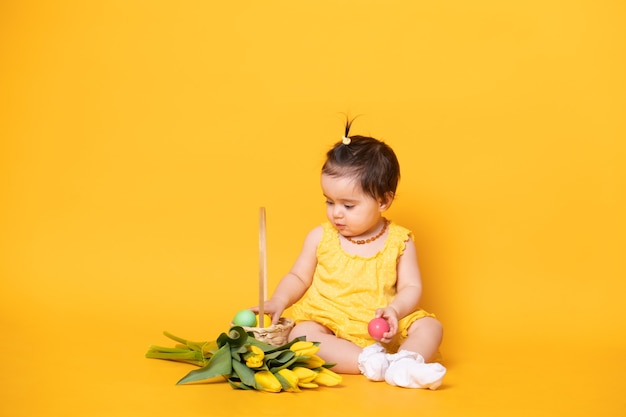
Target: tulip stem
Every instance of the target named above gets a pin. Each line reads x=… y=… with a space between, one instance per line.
x=197 y=346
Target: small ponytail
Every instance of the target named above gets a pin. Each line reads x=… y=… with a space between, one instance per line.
x=345 y=139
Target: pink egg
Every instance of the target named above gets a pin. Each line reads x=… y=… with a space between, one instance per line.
x=377 y=327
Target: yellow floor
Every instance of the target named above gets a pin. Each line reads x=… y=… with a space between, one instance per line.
x=95 y=367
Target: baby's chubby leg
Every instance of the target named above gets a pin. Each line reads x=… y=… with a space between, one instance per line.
x=424 y=337
x=333 y=349
x=406 y=368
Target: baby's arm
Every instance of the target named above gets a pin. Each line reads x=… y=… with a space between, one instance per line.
x=293 y=285
x=409 y=290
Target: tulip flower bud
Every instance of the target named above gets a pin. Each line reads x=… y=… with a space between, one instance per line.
x=327 y=377
x=288 y=380
x=305 y=377
x=266 y=381
x=304 y=348
x=314 y=362
x=254 y=358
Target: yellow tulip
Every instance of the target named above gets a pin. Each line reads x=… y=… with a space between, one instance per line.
x=327 y=377
x=314 y=362
x=291 y=378
x=254 y=358
x=305 y=377
x=304 y=348
x=266 y=381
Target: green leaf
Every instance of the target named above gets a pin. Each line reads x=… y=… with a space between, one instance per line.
x=294 y=340
x=235 y=355
x=283 y=381
x=245 y=374
x=236 y=337
x=220 y=364
x=280 y=360
x=281 y=356
x=284 y=365
x=239 y=385
x=265 y=347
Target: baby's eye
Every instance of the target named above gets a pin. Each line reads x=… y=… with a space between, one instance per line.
x=329 y=203
x=348 y=207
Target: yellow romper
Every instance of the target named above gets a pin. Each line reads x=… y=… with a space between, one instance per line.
x=347 y=289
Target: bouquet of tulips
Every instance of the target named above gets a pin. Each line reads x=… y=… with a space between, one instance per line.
x=247 y=363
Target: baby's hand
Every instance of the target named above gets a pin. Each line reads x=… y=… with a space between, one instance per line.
x=273 y=308
x=390 y=315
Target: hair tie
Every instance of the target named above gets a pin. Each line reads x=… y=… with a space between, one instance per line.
x=346 y=140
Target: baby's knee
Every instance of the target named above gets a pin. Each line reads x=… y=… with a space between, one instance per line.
x=296 y=331
x=306 y=328
x=427 y=325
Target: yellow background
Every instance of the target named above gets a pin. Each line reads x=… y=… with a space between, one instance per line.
x=138 y=140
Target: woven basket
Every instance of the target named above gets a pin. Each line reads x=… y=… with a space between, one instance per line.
x=276 y=334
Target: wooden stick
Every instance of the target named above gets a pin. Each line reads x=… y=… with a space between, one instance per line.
x=262 y=267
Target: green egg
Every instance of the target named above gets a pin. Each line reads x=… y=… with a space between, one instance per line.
x=245 y=318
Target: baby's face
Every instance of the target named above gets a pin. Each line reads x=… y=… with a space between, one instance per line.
x=349 y=209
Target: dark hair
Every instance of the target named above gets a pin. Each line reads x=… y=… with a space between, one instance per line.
x=370 y=161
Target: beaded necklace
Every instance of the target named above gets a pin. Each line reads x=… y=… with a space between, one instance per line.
x=371 y=239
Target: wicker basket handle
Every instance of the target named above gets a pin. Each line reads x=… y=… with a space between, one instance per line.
x=262 y=267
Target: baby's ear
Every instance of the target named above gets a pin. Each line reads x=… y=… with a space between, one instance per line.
x=386 y=201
